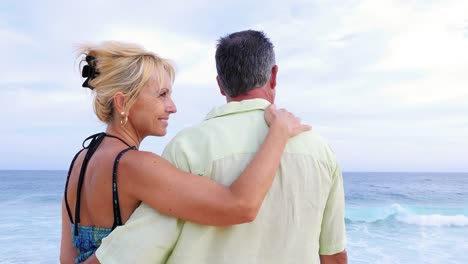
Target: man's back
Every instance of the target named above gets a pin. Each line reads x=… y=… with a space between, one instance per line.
x=290 y=227
x=303 y=213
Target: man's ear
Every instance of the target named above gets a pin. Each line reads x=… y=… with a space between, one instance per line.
x=274 y=72
x=220 y=87
x=119 y=102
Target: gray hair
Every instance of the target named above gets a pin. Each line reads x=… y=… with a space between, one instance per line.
x=244 y=61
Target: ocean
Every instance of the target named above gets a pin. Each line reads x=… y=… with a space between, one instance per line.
x=392 y=218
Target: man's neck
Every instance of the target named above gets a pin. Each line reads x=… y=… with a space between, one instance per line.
x=257 y=93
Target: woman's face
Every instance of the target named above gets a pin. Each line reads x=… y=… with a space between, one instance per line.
x=150 y=113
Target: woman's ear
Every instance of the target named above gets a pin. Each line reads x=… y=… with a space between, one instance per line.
x=119 y=102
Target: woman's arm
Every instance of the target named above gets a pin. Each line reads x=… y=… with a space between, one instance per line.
x=169 y=190
x=68 y=252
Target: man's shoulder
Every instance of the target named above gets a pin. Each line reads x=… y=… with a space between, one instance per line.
x=197 y=131
x=310 y=136
x=192 y=150
x=311 y=144
x=309 y=140
x=212 y=129
x=188 y=138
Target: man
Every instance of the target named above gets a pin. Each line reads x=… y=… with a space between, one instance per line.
x=302 y=217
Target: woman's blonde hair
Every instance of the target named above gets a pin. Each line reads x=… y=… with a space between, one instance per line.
x=121 y=67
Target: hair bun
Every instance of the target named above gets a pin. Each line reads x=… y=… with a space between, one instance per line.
x=89 y=71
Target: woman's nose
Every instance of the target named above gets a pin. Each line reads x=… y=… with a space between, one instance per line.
x=171 y=108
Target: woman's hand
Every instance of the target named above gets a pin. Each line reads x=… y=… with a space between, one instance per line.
x=287 y=121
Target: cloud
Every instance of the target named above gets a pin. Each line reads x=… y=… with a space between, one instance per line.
x=432 y=90
x=15 y=38
x=194 y=58
x=384 y=81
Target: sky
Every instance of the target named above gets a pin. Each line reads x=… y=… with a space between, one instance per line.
x=384 y=82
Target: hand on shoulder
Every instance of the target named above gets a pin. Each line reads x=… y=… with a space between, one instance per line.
x=285 y=120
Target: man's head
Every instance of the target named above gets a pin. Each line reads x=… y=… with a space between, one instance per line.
x=245 y=61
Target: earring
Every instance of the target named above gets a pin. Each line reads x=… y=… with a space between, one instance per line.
x=123 y=119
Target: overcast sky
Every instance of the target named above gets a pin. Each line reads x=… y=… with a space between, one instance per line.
x=385 y=82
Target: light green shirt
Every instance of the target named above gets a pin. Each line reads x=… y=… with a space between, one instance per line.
x=302 y=215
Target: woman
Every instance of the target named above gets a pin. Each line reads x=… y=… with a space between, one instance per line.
x=133 y=97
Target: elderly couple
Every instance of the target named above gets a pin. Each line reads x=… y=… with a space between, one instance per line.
x=249 y=184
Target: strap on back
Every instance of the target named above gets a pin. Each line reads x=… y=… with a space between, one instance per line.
x=96 y=140
x=66 y=185
x=115 y=195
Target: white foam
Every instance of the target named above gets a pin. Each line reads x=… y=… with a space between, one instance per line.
x=407 y=215
x=434 y=220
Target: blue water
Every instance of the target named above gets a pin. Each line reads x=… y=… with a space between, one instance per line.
x=407 y=217
x=390 y=217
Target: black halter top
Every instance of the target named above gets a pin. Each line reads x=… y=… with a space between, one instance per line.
x=96 y=140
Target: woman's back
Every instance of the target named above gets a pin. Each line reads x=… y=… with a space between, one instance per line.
x=96 y=204
x=100 y=208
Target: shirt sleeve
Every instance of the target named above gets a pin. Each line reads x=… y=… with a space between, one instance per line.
x=333 y=231
x=147 y=237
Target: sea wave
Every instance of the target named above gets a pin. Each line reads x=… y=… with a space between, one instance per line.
x=450 y=217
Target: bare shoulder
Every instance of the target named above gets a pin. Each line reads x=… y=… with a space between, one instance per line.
x=140 y=163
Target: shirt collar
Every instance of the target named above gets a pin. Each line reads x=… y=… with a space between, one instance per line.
x=238 y=107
